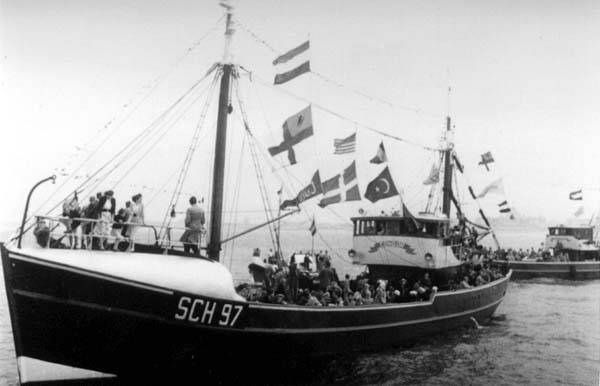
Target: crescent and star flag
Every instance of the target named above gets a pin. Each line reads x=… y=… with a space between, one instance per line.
x=291 y=54
x=434 y=176
x=335 y=192
x=495 y=187
x=380 y=157
x=296 y=128
x=313 y=227
x=381 y=187
x=291 y=74
x=576 y=195
x=345 y=146
x=579 y=212
x=486 y=158
x=313 y=189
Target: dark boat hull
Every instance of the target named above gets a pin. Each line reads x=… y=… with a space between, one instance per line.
x=83 y=319
x=577 y=270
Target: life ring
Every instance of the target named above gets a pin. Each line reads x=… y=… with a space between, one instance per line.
x=428 y=257
x=351 y=253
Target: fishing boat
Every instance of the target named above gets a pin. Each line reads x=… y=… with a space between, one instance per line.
x=570 y=253
x=157 y=309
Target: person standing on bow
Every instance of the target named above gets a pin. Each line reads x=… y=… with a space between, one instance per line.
x=194 y=222
x=137 y=217
x=106 y=206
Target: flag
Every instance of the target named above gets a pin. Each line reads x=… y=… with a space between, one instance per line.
x=347 y=190
x=486 y=158
x=295 y=129
x=579 y=212
x=280 y=191
x=495 y=187
x=313 y=227
x=459 y=166
x=291 y=74
x=434 y=176
x=504 y=208
x=381 y=187
x=576 y=195
x=406 y=214
x=291 y=54
x=313 y=189
x=380 y=157
x=346 y=145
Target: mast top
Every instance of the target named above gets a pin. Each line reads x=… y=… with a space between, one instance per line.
x=229 y=31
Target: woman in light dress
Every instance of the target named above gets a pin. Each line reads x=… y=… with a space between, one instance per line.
x=137 y=217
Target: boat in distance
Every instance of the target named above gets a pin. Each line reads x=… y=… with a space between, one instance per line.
x=570 y=253
x=157 y=308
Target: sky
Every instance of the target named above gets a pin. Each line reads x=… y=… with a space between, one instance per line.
x=524 y=79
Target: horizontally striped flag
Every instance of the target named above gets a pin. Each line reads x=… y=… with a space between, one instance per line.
x=291 y=54
x=345 y=145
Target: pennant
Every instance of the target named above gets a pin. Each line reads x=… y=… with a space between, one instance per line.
x=576 y=195
x=291 y=74
x=434 y=176
x=313 y=189
x=486 y=158
x=459 y=166
x=334 y=192
x=579 y=212
x=381 y=187
x=313 y=227
x=495 y=187
x=291 y=54
x=380 y=157
x=345 y=146
x=296 y=128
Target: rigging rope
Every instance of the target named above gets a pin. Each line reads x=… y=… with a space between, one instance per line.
x=125 y=148
x=188 y=157
x=155 y=83
x=336 y=83
x=345 y=118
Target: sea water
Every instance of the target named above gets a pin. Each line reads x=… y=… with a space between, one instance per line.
x=545 y=332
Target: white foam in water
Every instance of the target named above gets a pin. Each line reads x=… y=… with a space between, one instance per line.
x=35 y=370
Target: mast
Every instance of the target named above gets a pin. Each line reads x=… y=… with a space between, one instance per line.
x=214 y=244
x=447 y=191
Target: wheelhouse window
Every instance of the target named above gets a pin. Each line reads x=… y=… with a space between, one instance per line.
x=400 y=227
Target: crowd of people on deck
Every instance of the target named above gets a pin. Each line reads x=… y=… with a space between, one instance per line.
x=295 y=283
x=511 y=254
x=99 y=225
x=92 y=226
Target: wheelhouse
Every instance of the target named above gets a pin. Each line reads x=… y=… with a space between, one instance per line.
x=580 y=233
x=423 y=227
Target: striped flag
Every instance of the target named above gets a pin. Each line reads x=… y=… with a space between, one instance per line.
x=291 y=54
x=291 y=74
x=504 y=208
x=576 y=195
x=345 y=145
x=313 y=227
